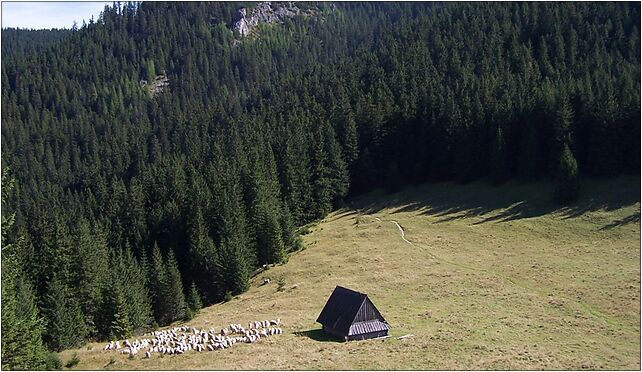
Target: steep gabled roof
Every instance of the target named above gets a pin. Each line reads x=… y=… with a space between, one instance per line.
x=350 y=312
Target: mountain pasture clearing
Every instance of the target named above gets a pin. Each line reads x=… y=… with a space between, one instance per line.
x=493 y=278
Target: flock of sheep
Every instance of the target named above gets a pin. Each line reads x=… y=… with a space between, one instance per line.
x=178 y=340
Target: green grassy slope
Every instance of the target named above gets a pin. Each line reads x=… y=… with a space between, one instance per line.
x=490 y=278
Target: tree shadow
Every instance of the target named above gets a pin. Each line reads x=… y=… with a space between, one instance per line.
x=511 y=201
x=635 y=217
x=318 y=335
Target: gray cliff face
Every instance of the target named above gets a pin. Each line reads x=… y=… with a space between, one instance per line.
x=265 y=12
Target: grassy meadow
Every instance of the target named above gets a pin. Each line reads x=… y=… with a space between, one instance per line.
x=494 y=278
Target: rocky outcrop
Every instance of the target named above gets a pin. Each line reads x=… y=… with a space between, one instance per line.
x=160 y=83
x=265 y=12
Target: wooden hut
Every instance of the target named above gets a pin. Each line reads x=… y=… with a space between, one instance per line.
x=352 y=316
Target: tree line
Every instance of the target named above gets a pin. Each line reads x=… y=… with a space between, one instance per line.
x=132 y=210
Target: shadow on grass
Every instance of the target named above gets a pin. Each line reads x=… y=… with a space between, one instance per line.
x=319 y=335
x=635 y=217
x=510 y=201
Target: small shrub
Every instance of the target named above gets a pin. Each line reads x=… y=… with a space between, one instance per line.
x=228 y=296
x=280 y=284
x=73 y=361
x=189 y=314
x=53 y=362
x=130 y=357
x=305 y=230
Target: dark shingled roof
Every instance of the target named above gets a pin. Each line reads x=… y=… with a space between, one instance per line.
x=351 y=313
x=360 y=328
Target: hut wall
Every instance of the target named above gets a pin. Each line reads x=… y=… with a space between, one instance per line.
x=333 y=332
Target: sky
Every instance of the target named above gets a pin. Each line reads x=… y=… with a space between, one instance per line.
x=49 y=14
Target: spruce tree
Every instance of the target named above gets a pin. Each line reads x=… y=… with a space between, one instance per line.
x=269 y=239
x=499 y=171
x=157 y=280
x=65 y=323
x=120 y=326
x=529 y=158
x=22 y=346
x=22 y=328
x=90 y=270
x=394 y=179
x=173 y=290
x=234 y=269
x=203 y=256
x=194 y=303
x=321 y=178
x=567 y=184
x=561 y=131
x=291 y=238
x=135 y=292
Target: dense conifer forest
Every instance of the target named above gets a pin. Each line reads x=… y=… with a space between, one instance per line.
x=125 y=209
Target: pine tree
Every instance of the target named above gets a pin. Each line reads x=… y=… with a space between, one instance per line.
x=567 y=185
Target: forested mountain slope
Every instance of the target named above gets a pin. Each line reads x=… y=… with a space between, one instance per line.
x=20 y=41
x=126 y=202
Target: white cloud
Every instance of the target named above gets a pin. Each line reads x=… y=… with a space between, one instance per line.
x=39 y=15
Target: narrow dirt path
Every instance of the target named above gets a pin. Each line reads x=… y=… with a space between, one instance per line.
x=582 y=306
